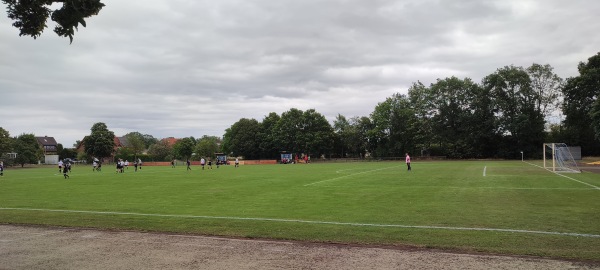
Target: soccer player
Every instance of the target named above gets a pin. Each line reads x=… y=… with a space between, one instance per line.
x=135 y=164
x=65 y=172
x=210 y=164
x=408 y=161
x=172 y=163
x=1 y=168
x=94 y=166
x=126 y=164
x=118 y=166
x=140 y=163
x=237 y=162
x=188 y=165
x=60 y=165
x=202 y=162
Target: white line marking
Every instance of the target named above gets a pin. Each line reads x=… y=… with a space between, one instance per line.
x=313 y=222
x=570 y=178
x=336 y=178
x=484 y=169
x=340 y=171
x=452 y=187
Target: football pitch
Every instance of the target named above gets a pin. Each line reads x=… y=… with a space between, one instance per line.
x=506 y=207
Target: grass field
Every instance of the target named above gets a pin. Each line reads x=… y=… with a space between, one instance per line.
x=507 y=207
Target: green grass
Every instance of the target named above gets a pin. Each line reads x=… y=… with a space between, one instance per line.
x=336 y=202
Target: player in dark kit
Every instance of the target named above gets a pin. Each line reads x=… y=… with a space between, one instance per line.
x=120 y=166
x=188 y=165
x=66 y=171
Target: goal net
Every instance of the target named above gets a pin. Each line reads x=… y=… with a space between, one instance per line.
x=558 y=158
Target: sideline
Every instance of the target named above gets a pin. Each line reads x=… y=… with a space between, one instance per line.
x=313 y=222
x=483 y=188
x=570 y=178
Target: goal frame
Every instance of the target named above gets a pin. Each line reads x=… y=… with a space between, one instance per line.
x=552 y=146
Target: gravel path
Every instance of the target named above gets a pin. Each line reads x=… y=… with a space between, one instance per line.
x=24 y=247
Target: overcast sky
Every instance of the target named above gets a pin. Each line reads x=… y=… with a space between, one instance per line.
x=191 y=68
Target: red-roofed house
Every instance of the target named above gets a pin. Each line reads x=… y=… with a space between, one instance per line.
x=170 y=141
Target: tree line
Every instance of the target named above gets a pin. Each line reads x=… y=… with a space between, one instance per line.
x=513 y=109
x=100 y=144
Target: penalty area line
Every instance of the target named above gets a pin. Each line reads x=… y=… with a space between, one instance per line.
x=353 y=174
x=312 y=222
x=570 y=178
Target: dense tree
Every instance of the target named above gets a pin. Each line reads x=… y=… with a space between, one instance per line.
x=135 y=143
x=149 y=140
x=581 y=107
x=556 y=133
x=241 y=139
x=64 y=153
x=547 y=86
x=161 y=151
x=184 y=148
x=100 y=143
x=316 y=133
x=518 y=119
x=30 y=16
x=207 y=146
x=5 y=142
x=28 y=150
x=381 y=133
x=424 y=137
x=451 y=98
x=124 y=153
x=394 y=126
x=266 y=136
x=287 y=132
x=303 y=132
x=342 y=129
x=351 y=136
x=483 y=134
x=360 y=141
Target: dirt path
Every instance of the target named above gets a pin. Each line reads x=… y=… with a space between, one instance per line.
x=23 y=247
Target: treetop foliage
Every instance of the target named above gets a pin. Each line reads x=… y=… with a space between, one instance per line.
x=100 y=143
x=30 y=16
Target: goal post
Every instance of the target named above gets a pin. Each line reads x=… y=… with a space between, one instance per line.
x=558 y=158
